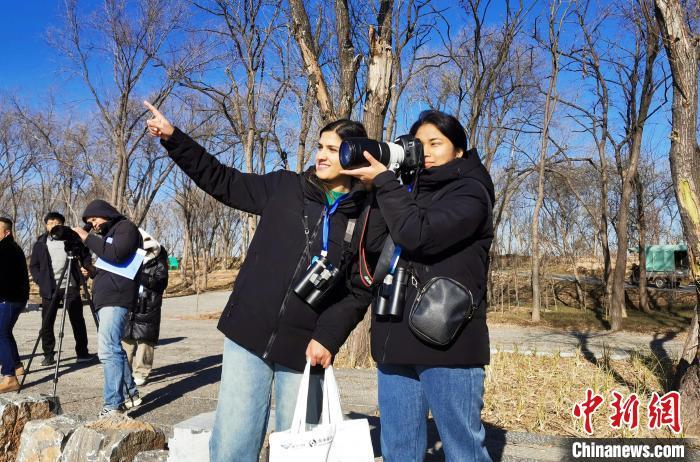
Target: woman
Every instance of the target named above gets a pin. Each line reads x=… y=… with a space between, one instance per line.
x=270 y=330
x=443 y=228
x=143 y=327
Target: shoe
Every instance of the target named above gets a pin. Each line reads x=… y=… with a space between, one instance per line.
x=48 y=361
x=86 y=358
x=19 y=370
x=107 y=413
x=140 y=381
x=133 y=402
x=9 y=383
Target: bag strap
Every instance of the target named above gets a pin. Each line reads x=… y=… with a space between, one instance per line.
x=331 y=412
x=299 y=419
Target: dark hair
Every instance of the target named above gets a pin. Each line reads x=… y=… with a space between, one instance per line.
x=447 y=124
x=345 y=128
x=54 y=216
x=7 y=222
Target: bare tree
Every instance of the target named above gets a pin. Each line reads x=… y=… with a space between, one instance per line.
x=639 y=85
x=683 y=50
x=556 y=17
x=127 y=37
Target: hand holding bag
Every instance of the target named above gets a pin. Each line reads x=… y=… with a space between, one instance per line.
x=441 y=308
x=333 y=440
x=299 y=444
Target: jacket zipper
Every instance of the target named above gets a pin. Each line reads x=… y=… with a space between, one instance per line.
x=271 y=340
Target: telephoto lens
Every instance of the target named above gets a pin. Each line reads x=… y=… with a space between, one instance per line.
x=351 y=152
x=398 y=293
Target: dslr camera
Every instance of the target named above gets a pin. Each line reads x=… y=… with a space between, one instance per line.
x=404 y=154
x=320 y=277
x=70 y=238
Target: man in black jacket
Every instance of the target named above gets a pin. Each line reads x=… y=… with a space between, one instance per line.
x=115 y=242
x=47 y=262
x=14 y=293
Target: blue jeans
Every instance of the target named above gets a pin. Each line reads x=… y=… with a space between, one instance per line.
x=454 y=395
x=118 y=381
x=244 y=403
x=9 y=356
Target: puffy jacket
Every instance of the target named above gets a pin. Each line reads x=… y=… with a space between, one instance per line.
x=116 y=243
x=444 y=229
x=14 y=278
x=144 y=321
x=263 y=314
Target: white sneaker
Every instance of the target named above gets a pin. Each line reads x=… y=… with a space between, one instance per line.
x=106 y=413
x=140 y=381
x=133 y=402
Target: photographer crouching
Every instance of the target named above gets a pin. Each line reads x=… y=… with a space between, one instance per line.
x=115 y=241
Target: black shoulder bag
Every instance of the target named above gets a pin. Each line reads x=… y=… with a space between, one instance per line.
x=443 y=306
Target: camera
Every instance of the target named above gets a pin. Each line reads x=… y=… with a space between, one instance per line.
x=320 y=277
x=390 y=297
x=405 y=153
x=70 y=238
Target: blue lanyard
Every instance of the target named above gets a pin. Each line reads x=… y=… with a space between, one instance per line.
x=327 y=213
x=397 y=249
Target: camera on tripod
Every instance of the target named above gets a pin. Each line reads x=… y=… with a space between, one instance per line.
x=390 y=295
x=320 y=277
x=404 y=154
x=70 y=238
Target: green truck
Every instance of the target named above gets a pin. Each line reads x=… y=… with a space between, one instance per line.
x=667 y=265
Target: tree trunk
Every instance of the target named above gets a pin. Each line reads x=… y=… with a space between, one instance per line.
x=378 y=73
x=682 y=50
x=641 y=222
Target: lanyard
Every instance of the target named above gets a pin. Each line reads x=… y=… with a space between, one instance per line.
x=327 y=213
x=397 y=249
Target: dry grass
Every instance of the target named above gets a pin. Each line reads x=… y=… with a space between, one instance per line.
x=537 y=394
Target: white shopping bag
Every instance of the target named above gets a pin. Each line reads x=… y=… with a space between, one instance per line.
x=333 y=440
x=299 y=444
x=351 y=442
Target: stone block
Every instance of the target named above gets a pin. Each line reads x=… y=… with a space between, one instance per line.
x=44 y=440
x=160 y=455
x=114 y=439
x=15 y=411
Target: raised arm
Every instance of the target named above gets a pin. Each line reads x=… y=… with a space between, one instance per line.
x=244 y=191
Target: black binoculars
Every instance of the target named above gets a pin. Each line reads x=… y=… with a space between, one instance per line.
x=390 y=295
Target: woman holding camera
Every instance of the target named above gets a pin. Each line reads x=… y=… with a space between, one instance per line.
x=431 y=353
x=270 y=330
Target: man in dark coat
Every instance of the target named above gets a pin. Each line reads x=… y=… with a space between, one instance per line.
x=47 y=262
x=143 y=327
x=115 y=241
x=14 y=293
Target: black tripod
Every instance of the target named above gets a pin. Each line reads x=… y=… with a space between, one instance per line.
x=70 y=268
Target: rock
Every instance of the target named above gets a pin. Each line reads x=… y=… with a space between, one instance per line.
x=114 y=439
x=44 y=440
x=160 y=455
x=15 y=411
x=190 y=441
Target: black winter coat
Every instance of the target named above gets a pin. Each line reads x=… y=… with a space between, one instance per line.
x=116 y=243
x=144 y=321
x=263 y=314
x=14 y=278
x=445 y=230
x=42 y=271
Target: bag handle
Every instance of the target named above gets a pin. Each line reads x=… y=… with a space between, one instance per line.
x=331 y=412
x=299 y=419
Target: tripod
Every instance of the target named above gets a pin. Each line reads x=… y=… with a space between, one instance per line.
x=70 y=268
